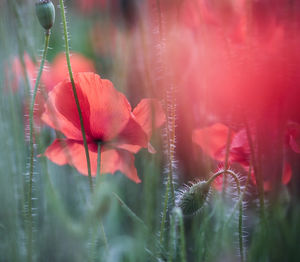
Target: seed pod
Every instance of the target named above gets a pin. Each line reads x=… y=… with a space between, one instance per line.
x=45 y=12
x=193 y=197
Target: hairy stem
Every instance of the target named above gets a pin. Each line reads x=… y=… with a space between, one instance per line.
x=164 y=215
x=63 y=16
x=177 y=213
x=170 y=130
x=240 y=225
x=31 y=134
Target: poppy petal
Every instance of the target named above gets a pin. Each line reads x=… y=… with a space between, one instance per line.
x=109 y=109
x=212 y=140
x=132 y=137
x=287 y=174
x=56 y=153
x=64 y=151
x=144 y=112
x=293 y=134
x=114 y=160
x=72 y=152
x=61 y=112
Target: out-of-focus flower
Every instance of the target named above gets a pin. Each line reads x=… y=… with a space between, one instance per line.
x=18 y=73
x=58 y=70
x=293 y=136
x=103 y=37
x=108 y=118
x=91 y=5
x=212 y=141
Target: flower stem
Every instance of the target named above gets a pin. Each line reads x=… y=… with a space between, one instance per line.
x=177 y=212
x=240 y=225
x=257 y=173
x=164 y=215
x=31 y=126
x=98 y=161
x=63 y=16
x=170 y=132
x=98 y=179
x=226 y=164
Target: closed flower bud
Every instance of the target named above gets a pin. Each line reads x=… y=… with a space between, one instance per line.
x=193 y=197
x=45 y=12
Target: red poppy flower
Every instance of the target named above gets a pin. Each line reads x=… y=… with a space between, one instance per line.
x=212 y=141
x=107 y=117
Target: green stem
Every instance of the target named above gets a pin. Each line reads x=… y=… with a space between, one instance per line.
x=240 y=225
x=241 y=198
x=177 y=213
x=257 y=173
x=31 y=126
x=164 y=215
x=63 y=16
x=98 y=179
x=227 y=152
x=170 y=126
x=98 y=160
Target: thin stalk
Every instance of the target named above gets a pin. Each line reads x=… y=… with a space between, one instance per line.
x=241 y=198
x=63 y=16
x=29 y=243
x=226 y=164
x=98 y=178
x=178 y=213
x=257 y=173
x=170 y=126
x=98 y=160
x=240 y=225
x=164 y=215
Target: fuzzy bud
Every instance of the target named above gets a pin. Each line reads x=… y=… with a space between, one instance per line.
x=193 y=197
x=45 y=12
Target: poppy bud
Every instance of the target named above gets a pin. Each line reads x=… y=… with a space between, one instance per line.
x=193 y=197
x=45 y=12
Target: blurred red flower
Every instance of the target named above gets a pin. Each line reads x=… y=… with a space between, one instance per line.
x=293 y=136
x=58 y=70
x=18 y=74
x=91 y=5
x=108 y=118
x=213 y=139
